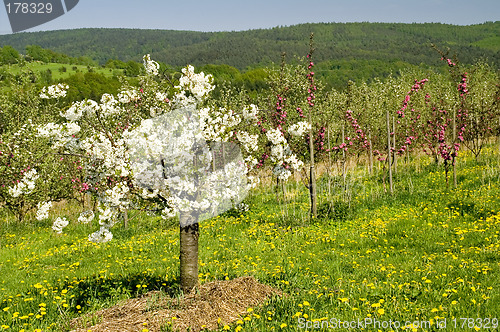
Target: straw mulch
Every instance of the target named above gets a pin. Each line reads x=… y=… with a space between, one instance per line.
x=213 y=305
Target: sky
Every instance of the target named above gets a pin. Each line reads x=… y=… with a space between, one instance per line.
x=236 y=15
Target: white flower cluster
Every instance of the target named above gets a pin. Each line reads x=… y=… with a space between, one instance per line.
x=199 y=85
x=86 y=217
x=26 y=185
x=283 y=170
x=170 y=153
x=107 y=219
x=161 y=96
x=155 y=111
x=54 y=91
x=275 y=136
x=107 y=214
x=109 y=105
x=250 y=161
x=242 y=207
x=59 y=224
x=113 y=155
x=299 y=128
x=277 y=152
x=151 y=66
x=78 y=109
x=127 y=96
x=116 y=197
x=60 y=134
x=254 y=181
x=101 y=236
x=170 y=210
x=43 y=210
x=217 y=124
x=249 y=142
x=250 y=112
x=282 y=155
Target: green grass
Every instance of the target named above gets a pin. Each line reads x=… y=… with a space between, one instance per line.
x=426 y=253
x=61 y=71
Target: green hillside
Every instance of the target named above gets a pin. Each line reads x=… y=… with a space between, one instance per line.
x=344 y=51
x=334 y=41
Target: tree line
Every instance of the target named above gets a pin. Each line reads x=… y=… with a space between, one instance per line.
x=370 y=48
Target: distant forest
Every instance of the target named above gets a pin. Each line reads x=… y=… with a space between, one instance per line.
x=343 y=50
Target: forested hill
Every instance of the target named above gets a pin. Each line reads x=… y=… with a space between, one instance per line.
x=385 y=42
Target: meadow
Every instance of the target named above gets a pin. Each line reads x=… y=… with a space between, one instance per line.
x=61 y=71
x=427 y=253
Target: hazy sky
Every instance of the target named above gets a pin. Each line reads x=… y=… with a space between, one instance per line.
x=228 y=15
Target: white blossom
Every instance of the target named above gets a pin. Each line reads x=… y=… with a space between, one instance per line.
x=294 y=162
x=161 y=96
x=198 y=84
x=54 y=91
x=26 y=185
x=299 y=128
x=171 y=152
x=216 y=124
x=277 y=153
x=113 y=155
x=254 y=181
x=59 y=224
x=43 y=210
x=281 y=172
x=249 y=142
x=60 y=134
x=109 y=105
x=250 y=112
x=275 y=136
x=127 y=96
x=117 y=196
x=101 y=236
x=251 y=161
x=79 y=108
x=107 y=215
x=150 y=66
x=86 y=217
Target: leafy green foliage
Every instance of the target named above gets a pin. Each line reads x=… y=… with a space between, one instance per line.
x=9 y=55
x=90 y=85
x=37 y=53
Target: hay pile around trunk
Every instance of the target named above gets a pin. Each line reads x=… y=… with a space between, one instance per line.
x=215 y=304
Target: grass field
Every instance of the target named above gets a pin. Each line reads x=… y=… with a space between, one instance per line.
x=426 y=253
x=61 y=71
